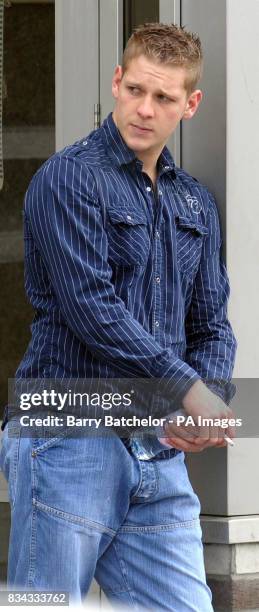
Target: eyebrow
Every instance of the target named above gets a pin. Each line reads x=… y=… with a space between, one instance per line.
x=158 y=92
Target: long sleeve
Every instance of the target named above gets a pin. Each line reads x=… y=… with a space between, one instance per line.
x=66 y=222
x=211 y=345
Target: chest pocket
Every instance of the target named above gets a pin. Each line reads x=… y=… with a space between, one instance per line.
x=189 y=241
x=128 y=236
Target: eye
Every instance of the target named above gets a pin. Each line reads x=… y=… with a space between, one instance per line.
x=164 y=98
x=133 y=90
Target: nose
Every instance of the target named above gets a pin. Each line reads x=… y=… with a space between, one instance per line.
x=145 y=108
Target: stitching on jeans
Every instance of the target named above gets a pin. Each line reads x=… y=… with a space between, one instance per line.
x=48 y=442
x=157 y=479
x=124 y=576
x=132 y=497
x=72 y=518
x=31 y=572
x=14 y=465
x=137 y=498
x=152 y=528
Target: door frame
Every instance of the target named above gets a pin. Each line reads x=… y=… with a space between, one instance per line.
x=76 y=68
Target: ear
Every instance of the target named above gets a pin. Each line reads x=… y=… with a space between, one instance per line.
x=116 y=81
x=192 y=104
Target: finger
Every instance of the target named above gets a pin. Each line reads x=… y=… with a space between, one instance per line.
x=230 y=432
x=220 y=436
x=221 y=443
x=204 y=435
x=180 y=431
x=181 y=444
x=214 y=435
x=216 y=444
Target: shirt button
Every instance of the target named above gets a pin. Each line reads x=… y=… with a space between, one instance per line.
x=129 y=217
x=158 y=280
x=157 y=323
x=160 y=192
x=148 y=189
x=157 y=234
x=166 y=167
x=85 y=142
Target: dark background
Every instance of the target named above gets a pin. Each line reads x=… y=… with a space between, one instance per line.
x=29 y=102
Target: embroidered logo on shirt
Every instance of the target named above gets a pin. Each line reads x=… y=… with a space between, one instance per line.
x=193 y=202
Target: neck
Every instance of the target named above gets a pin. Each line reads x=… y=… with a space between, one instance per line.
x=149 y=165
x=152 y=173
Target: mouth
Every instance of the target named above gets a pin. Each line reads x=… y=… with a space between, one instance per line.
x=141 y=129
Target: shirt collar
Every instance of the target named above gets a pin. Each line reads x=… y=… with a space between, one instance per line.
x=119 y=152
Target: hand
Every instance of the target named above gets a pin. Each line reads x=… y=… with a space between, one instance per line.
x=199 y=401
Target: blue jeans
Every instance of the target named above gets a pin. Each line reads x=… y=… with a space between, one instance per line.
x=85 y=508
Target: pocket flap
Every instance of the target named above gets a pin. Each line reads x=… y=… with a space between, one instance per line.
x=190 y=224
x=128 y=217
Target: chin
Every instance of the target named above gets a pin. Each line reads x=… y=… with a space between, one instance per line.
x=136 y=147
x=135 y=143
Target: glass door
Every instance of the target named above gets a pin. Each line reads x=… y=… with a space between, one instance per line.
x=136 y=13
x=28 y=135
x=58 y=62
x=118 y=18
x=27 y=90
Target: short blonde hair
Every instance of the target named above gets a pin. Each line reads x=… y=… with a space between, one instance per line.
x=167 y=44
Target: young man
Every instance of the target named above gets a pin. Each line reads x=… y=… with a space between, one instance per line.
x=123 y=267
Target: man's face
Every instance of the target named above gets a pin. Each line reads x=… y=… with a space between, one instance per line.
x=151 y=99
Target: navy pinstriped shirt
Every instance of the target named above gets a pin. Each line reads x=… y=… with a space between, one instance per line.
x=124 y=280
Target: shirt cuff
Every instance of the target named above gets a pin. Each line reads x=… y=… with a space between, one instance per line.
x=225 y=390
x=175 y=380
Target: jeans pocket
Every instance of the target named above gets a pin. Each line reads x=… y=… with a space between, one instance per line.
x=42 y=444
